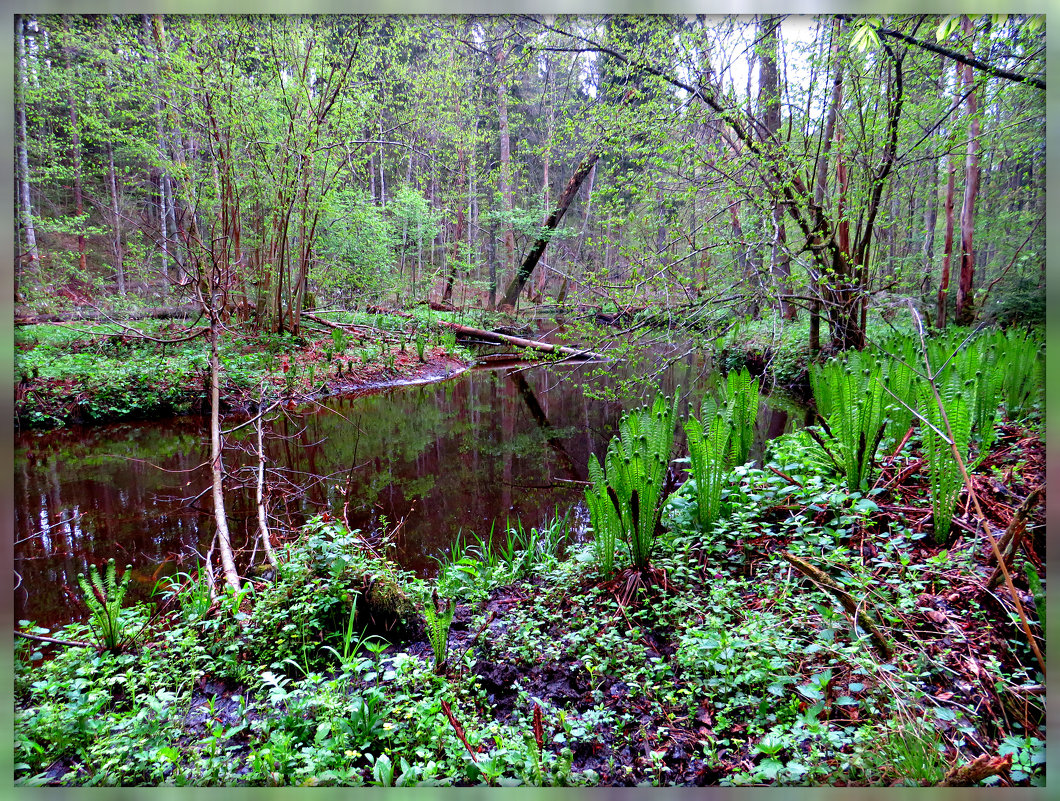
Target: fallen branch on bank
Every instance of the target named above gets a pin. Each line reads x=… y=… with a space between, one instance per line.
x=972 y=773
x=852 y=607
x=53 y=640
x=156 y=313
x=501 y=339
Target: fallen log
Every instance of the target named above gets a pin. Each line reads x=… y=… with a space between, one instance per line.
x=502 y=339
x=970 y=774
x=157 y=313
x=519 y=342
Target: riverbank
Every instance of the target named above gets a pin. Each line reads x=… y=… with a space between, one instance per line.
x=68 y=375
x=720 y=665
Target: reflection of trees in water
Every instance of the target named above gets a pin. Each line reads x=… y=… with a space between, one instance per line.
x=474 y=452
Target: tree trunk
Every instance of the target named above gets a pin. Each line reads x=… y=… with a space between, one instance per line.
x=965 y=312
x=820 y=186
x=25 y=208
x=224 y=538
x=947 y=247
x=504 y=180
x=458 y=233
x=527 y=267
x=75 y=151
x=931 y=207
x=263 y=524
x=769 y=108
x=745 y=262
x=491 y=256
x=115 y=212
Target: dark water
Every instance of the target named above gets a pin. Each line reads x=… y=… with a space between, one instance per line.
x=489 y=445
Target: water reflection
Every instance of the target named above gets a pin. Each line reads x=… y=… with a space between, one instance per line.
x=490 y=445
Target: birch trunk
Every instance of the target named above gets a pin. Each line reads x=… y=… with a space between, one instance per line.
x=224 y=538
x=25 y=207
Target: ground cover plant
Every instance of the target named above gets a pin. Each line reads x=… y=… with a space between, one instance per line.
x=808 y=632
x=99 y=373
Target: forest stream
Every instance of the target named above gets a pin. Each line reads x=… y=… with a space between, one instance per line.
x=494 y=444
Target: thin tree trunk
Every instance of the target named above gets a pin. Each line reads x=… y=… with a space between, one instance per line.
x=821 y=180
x=504 y=180
x=75 y=150
x=965 y=312
x=947 y=247
x=527 y=267
x=25 y=207
x=744 y=261
x=769 y=105
x=224 y=538
x=263 y=525
x=458 y=234
x=382 y=180
x=119 y=254
x=491 y=256
x=931 y=208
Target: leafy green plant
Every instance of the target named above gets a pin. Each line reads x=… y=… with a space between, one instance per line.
x=946 y=476
x=421 y=345
x=626 y=502
x=851 y=413
x=1038 y=592
x=447 y=340
x=193 y=594
x=104 y=597
x=739 y=398
x=1022 y=357
x=901 y=381
x=910 y=752
x=1028 y=758
x=339 y=338
x=708 y=450
x=439 y=618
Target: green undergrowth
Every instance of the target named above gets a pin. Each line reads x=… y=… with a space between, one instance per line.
x=713 y=654
x=103 y=373
x=719 y=664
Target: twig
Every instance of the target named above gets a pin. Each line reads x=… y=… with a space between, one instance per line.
x=1010 y=540
x=853 y=608
x=53 y=640
x=784 y=476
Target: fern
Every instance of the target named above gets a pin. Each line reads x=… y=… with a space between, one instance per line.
x=709 y=450
x=902 y=381
x=740 y=400
x=946 y=477
x=439 y=618
x=851 y=433
x=626 y=494
x=1024 y=362
x=104 y=597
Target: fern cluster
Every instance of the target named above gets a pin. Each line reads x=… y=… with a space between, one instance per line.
x=719 y=440
x=852 y=413
x=104 y=597
x=439 y=618
x=946 y=477
x=739 y=401
x=625 y=500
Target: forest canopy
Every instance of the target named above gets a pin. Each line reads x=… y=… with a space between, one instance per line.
x=809 y=165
